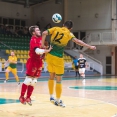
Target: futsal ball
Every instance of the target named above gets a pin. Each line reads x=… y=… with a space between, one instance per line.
x=56 y=18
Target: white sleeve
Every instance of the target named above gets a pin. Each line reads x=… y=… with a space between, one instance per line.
x=39 y=51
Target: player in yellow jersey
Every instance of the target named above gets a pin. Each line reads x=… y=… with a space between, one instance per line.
x=12 y=61
x=60 y=36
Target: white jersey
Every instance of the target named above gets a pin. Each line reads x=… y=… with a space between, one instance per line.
x=81 y=62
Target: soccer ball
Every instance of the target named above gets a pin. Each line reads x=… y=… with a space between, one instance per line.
x=56 y=18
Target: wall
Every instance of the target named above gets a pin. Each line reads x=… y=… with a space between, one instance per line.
x=84 y=13
x=100 y=54
x=43 y=13
x=85 y=9
x=10 y=10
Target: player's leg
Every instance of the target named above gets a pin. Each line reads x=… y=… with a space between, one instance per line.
x=51 y=86
x=58 y=90
x=7 y=73
x=76 y=69
x=26 y=83
x=36 y=74
x=30 y=91
x=14 y=72
x=50 y=62
x=31 y=87
x=58 y=87
x=78 y=72
x=59 y=71
x=83 y=72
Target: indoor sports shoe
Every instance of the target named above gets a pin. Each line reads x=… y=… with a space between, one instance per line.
x=52 y=99
x=22 y=100
x=28 y=100
x=59 y=103
x=5 y=81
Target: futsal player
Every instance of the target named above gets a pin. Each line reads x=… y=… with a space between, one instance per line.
x=75 y=61
x=12 y=61
x=82 y=65
x=60 y=36
x=33 y=65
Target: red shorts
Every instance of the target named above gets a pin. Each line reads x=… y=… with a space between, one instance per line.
x=34 y=67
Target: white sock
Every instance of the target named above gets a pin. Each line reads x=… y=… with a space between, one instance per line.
x=83 y=75
x=58 y=100
x=51 y=96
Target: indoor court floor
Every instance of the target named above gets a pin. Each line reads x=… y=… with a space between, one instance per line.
x=92 y=97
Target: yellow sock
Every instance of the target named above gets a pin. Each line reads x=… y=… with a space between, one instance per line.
x=58 y=90
x=51 y=86
x=7 y=75
x=17 y=78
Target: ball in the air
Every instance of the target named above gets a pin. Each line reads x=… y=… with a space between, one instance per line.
x=56 y=18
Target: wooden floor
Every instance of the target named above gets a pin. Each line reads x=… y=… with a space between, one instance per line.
x=93 y=97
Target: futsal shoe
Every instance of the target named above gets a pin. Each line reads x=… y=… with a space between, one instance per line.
x=5 y=81
x=28 y=100
x=52 y=99
x=22 y=100
x=59 y=104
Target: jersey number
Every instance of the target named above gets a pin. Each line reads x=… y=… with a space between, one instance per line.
x=56 y=39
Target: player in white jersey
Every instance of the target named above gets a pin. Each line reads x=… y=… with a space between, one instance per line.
x=82 y=65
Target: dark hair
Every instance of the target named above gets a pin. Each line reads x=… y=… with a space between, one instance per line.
x=68 y=24
x=32 y=29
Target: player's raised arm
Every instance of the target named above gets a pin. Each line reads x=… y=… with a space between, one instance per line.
x=79 y=42
x=44 y=34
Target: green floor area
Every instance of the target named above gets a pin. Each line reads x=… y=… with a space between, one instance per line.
x=8 y=101
x=95 y=87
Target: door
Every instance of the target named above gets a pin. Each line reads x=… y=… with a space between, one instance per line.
x=115 y=60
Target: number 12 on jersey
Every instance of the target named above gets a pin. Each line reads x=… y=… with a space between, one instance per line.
x=58 y=37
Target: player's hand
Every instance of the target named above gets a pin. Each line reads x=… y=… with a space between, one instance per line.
x=43 y=47
x=92 y=47
x=50 y=48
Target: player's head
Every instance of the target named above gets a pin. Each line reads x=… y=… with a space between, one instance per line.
x=12 y=53
x=34 y=30
x=81 y=56
x=68 y=24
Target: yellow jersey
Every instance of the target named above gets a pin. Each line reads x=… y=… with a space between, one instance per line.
x=60 y=36
x=14 y=59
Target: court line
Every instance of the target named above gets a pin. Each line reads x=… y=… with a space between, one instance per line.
x=90 y=98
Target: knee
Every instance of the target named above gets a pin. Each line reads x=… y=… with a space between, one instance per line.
x=28 y=81
x=34 y=82
x=58 y=80
x=6 y=71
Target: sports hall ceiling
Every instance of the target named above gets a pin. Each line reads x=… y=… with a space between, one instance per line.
x=26 y=3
